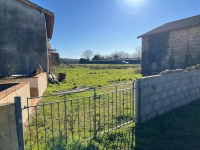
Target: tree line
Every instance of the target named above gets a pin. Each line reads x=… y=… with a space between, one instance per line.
x=117 y=55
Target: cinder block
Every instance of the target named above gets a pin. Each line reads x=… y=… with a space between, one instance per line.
x=190 y=86
x=196 y=72
x=169 y=108
x=174 y=98
x=192 y=92
x=160 y=111
x=190 y=73
x=197 y=90
x=4 y=119
x=171 y=92
x=187 y=94
x=155 y=97
x=181 y=96
x=163 y=95
x=183 y=102
x=192 y=80
x=170 y=77
x=196 y=84
x=158 y=105
x=194 y=97
x=146 y=92
x=184 y=88
x=151 y=115
x=187 y=81
x=178 y=90
x=13 y=136
x=197 y=78
x=181 y=82
x=167 y=86
x=177 y=104
x=5 y=129
x=153 y=80
x=184 y=75
x=144 y=82
x=12 y=126
x=178 y=76
x=158 y=88
x=11 y=116
x=167 y=101
x=146 y=109
x=175 y=84
x=189 y=100
x=162 y=79
x=145 y=101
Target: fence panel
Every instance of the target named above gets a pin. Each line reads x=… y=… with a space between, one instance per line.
x=57 y=124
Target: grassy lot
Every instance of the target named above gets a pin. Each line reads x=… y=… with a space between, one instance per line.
x=178 y=129
x=58 y=121
x=93 y=76
x=175 y=130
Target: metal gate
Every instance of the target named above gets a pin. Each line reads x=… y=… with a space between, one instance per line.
x=106 y=115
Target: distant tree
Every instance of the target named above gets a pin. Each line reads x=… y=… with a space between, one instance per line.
x=115 y=56
x=87 y=54
x=138 y=52
x=97 y=57
x=83 y=61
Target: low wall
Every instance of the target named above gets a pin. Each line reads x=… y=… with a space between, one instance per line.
x=171 y=89
x=38 y=83
x=8 y=133
x=22 y=89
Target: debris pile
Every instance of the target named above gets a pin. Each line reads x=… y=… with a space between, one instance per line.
x=52 y=78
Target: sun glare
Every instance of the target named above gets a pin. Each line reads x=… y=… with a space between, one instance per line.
x=130 y=6
x=131 y=1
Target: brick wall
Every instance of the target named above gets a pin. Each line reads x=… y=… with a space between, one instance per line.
x=162 y=93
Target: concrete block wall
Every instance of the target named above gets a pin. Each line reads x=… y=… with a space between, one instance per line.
x=8 y=132
x=162 y=93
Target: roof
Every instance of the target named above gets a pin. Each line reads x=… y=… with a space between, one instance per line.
x=175 y=25
x=49 y=16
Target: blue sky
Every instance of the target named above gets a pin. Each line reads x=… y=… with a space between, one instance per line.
x=106 y=26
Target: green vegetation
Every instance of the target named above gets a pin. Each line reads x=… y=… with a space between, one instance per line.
x=178 y=129
x=59 y=121
x=93 y=76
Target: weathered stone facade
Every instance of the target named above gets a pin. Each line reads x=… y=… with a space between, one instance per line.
x=23 y=40
x=183 y=50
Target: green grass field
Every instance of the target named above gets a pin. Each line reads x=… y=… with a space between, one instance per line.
x=74 y=119
x=178 y=129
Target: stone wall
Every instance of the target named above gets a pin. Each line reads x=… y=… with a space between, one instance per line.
x=183 y=50
x=24 y=43
x=183 y=43
x=167 y=91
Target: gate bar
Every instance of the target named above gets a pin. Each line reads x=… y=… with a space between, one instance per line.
x=19 y=123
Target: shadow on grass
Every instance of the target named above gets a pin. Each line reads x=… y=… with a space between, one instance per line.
x=176 y=130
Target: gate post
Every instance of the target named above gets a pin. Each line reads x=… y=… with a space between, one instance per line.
x=137 y=101
x=19 y=123
x=95 y=120
x=133 y=100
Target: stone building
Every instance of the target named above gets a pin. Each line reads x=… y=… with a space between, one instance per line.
x=25 y=29
x=174 y=45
